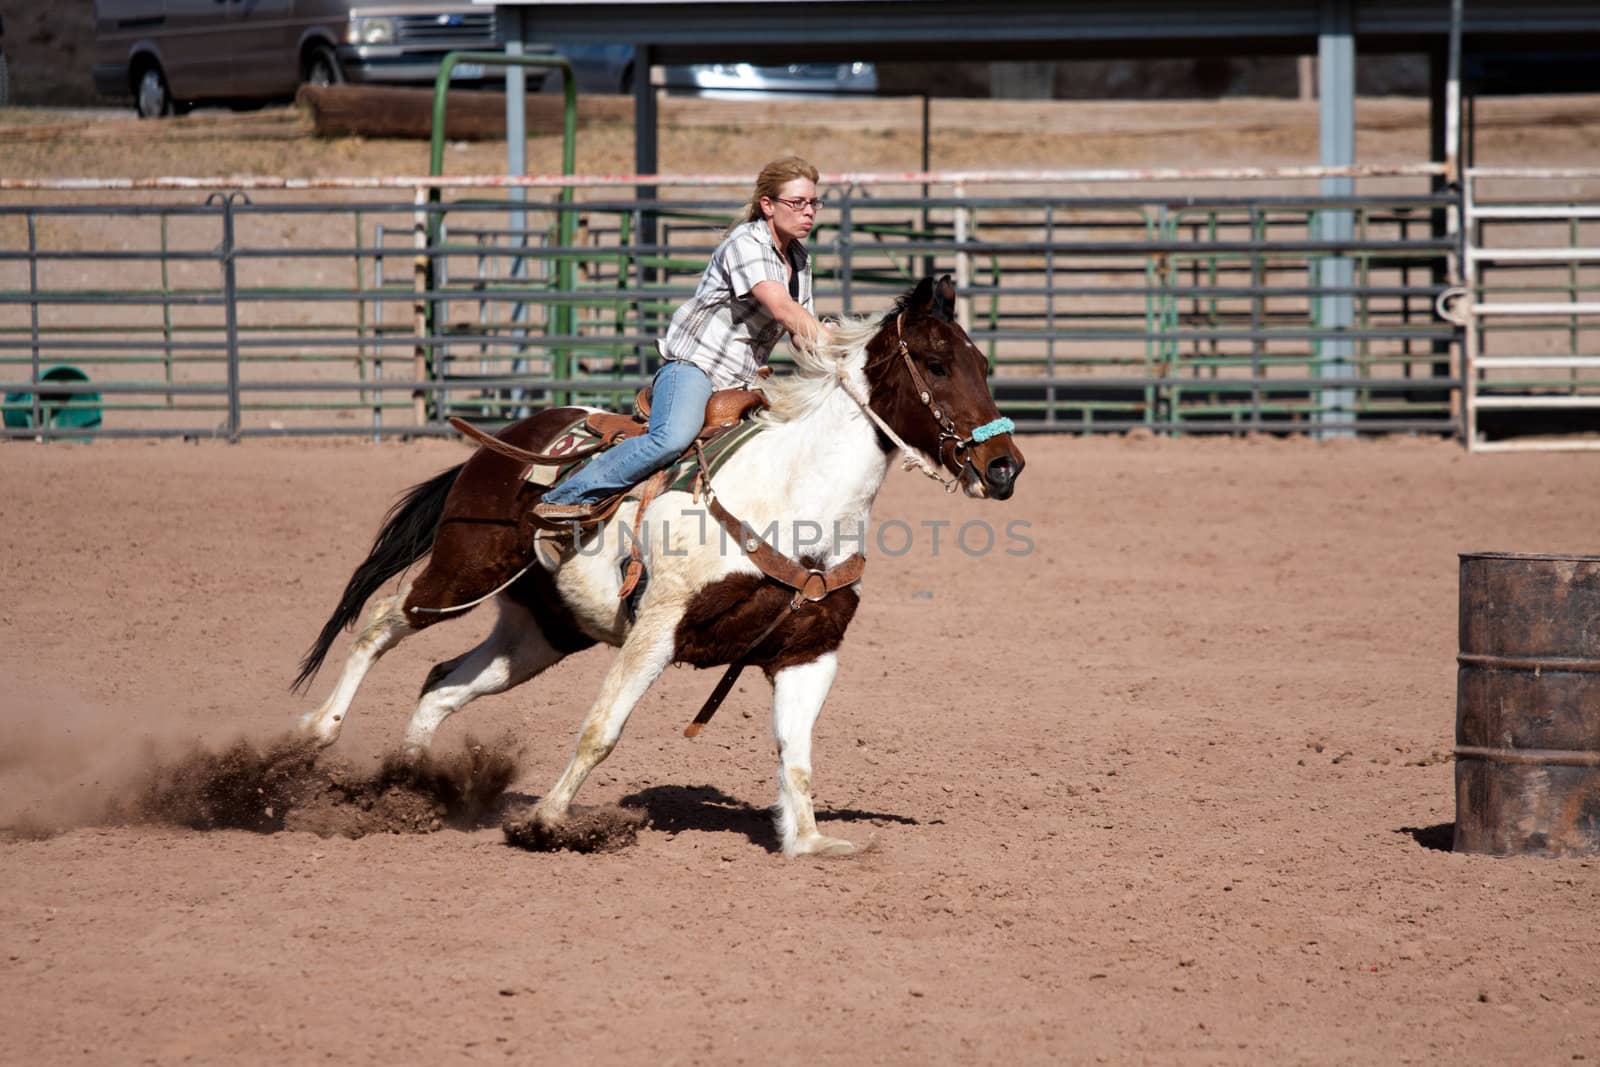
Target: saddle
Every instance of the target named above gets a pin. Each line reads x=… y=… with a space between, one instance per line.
x=546 y=448
x=726 y=409
x=559 y=448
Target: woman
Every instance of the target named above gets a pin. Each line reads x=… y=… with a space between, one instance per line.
x=756 y=288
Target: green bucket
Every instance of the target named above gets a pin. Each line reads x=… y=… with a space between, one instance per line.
x=61 y=411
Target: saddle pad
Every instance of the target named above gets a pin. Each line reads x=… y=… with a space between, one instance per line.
x=571 y=436
x=717 y=451
x=577 y=434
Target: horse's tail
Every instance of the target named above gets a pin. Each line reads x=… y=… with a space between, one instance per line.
x=407 y=535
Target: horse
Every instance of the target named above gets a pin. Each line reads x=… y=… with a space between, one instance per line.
x=803 y=486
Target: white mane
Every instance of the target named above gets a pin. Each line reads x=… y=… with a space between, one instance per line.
x=817 y=369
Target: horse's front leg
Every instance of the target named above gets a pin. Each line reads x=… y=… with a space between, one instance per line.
x=797 y=696
x=643 y=656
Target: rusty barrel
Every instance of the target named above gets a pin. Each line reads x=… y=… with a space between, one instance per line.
x=1528 y=705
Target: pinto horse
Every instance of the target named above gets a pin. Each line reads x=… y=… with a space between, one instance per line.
x=806 y=482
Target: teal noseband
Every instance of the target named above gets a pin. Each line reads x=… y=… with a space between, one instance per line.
x=992 y=429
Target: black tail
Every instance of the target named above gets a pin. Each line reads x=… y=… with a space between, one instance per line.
x=406 y=537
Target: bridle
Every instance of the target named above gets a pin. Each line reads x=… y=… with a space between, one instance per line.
x=948 y=434
x=958 y=462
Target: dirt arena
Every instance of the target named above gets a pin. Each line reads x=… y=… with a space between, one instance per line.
x=1172 y=786
x=1170 y=783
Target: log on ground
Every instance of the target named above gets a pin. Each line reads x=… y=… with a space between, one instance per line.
x=470 y=115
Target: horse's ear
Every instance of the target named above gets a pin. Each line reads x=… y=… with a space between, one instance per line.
x=944 y=299
x=935 y=298
x=920 y=300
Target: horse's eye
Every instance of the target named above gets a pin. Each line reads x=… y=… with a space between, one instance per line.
x=936 y=368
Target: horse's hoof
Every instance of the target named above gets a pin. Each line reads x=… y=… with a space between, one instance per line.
x=544 y=818
x=311 y=728
x=821 y=846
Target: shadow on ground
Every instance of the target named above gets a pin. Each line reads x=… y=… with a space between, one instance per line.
x=1439 y=838
x=676 y=808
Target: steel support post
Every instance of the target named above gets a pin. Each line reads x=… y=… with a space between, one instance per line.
x=36 y=375
x=644 y=162
x=230 y=303
x=1335 y=273
x=846 y=247
x=516 y=167
x=1445 y=270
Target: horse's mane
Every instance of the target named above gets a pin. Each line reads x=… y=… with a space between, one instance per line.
x=816 y=370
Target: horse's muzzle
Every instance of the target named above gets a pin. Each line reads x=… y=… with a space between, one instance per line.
x=995 y=480
x=1000 y=476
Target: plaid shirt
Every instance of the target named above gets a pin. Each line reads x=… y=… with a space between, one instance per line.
x=723 y=329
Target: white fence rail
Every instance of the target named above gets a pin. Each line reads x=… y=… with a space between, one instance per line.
x=1530 y=307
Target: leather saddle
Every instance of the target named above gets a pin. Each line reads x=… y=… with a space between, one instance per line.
x=725 y=409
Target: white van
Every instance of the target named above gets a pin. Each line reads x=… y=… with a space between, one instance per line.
x=171 y=54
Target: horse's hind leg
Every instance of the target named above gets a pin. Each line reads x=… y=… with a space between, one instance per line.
x=514 y=652
x=639 y=662
x=386 y=626
x=797 y=696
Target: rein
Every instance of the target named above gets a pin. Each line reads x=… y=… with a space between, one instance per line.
x=523 y=455
x=948 y=434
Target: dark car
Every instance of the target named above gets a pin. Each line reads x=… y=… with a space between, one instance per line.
x=609 y=68
x=172 y=54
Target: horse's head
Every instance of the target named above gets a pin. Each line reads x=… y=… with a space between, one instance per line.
x=930 y=383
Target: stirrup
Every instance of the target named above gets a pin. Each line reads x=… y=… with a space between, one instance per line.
x=564 y=513
x=564 y=518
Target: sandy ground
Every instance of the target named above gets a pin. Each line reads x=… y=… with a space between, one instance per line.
x=1171 y=787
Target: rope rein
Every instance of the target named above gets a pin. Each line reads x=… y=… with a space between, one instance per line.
x=474 y=603
x=910 y=458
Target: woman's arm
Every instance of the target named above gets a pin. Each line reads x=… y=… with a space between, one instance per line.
x=790 y=313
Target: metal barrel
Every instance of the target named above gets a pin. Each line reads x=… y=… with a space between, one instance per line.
x=1528 y=705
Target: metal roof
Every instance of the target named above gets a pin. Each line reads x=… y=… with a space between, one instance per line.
x=1002 y=29
x=788 y=31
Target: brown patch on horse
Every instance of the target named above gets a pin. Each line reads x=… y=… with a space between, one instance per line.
x=722 y=617
x=536 y=591
x=486 y=533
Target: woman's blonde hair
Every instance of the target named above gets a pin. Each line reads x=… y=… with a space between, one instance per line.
x=770 y=182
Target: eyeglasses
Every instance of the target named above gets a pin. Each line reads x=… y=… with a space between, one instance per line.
x=797 y=204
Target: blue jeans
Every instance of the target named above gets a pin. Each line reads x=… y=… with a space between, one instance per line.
x=677 y=411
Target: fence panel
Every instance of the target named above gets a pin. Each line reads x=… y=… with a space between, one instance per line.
x=1532 y=309
x=370 y=308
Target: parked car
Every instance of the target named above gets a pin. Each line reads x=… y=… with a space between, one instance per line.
x=171 y=54
x=609 y=68
x=736 y=80
x=598 y=68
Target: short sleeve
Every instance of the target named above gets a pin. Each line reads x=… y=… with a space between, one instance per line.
x=749 y=260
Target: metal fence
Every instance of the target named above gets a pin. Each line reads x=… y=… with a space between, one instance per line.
x=1183 y=302
x=1530 y=306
